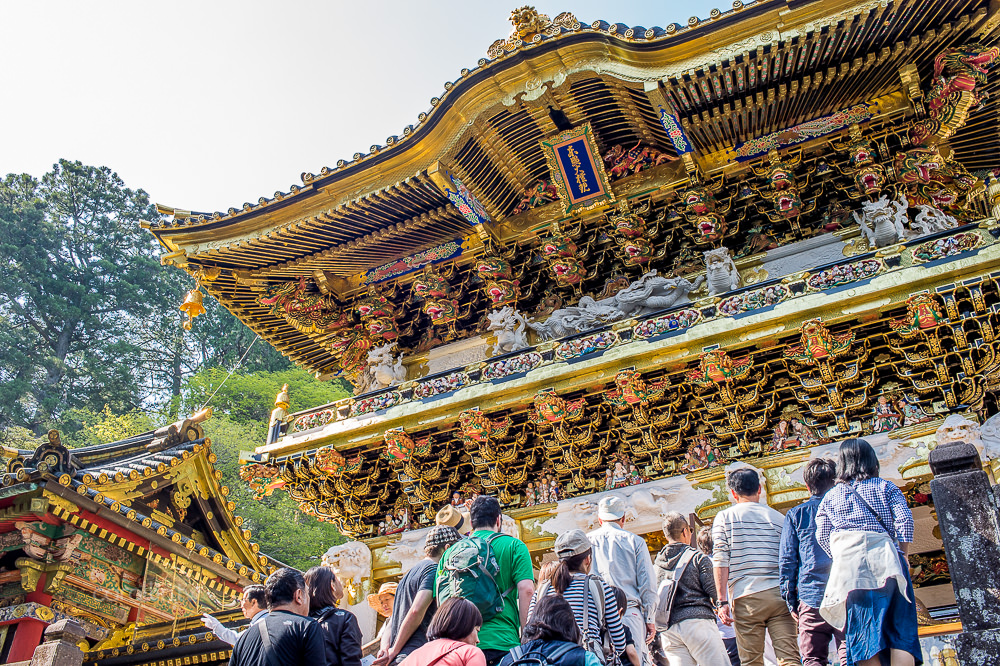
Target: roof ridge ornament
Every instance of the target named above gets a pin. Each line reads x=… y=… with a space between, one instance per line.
x=529 y=28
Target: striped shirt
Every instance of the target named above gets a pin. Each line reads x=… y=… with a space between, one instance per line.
x=747 y=539
x=574 y=595
x=840 y=511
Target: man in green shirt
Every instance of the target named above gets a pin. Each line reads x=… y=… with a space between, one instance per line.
x=502 y=633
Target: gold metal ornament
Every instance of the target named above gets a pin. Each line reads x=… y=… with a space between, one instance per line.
x=192 y=306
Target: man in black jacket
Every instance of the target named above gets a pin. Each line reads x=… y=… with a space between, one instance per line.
x=285 y=637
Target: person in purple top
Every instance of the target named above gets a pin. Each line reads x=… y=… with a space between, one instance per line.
x=866 y=527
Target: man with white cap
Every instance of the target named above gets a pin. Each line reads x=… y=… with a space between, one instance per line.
x=622 y=559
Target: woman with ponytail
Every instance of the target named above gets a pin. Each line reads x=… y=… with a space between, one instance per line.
x=592 y=601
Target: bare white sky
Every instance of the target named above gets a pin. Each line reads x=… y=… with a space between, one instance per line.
x=206 y=104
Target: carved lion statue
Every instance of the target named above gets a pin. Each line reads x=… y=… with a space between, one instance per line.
x=883 y=222
x=509 y=325
x=957 y=428
x=385 y=369
x=350 y=561
x=721 y=272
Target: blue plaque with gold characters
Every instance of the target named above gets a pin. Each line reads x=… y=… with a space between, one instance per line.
x=577 y=169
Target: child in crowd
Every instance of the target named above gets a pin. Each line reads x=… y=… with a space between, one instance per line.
x=630 y=652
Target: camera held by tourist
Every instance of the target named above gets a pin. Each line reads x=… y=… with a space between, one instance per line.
x=747 y=539
x=685 y=615
x=866 y=526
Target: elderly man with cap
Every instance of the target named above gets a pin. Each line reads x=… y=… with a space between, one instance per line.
x=592 y=600
x=414 y=604
x=622 y=559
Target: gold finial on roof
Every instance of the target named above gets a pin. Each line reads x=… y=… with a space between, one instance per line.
x=281 y=400
x=527 y=21
x=530 y=26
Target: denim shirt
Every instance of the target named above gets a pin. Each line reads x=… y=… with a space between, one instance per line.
x=803 y=566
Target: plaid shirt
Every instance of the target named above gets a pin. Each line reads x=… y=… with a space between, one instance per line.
x=841 y=511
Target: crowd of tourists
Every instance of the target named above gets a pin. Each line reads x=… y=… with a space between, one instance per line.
x=756 y=587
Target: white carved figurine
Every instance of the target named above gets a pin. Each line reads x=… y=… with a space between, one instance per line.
x=721 y=271
x=989 y=434
x=931 y=220
x=883 y=222
x=957 y=428
x=648 y=294
x=509 y=325
x=384 y=369
x=351 y=561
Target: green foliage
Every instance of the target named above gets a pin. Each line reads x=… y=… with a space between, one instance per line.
x=271 y=519
x=250 y=397
x=91 y=343
x=77 y=282
x=85 y=427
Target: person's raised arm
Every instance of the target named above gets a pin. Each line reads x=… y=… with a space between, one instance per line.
x=222 y=633
x=421 y=603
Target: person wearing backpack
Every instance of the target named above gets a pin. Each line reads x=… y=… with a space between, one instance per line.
x=492 y=570
x=551 y=638
x=685 y=613
x=340 y=629
x=593 y=603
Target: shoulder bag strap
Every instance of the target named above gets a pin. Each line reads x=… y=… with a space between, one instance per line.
x=890 y=532
x=559 y=652
x=585 y=637
x=489 y=543
x=442 y=656
x=265 y=639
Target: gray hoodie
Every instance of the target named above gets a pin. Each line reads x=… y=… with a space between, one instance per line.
x=695 y=596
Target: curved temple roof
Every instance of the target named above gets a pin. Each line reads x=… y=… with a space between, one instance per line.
x=746 y=73
x=134 y=484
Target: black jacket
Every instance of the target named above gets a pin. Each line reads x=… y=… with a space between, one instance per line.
x=341 y=634
x=294 y=640
x=695 y=596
